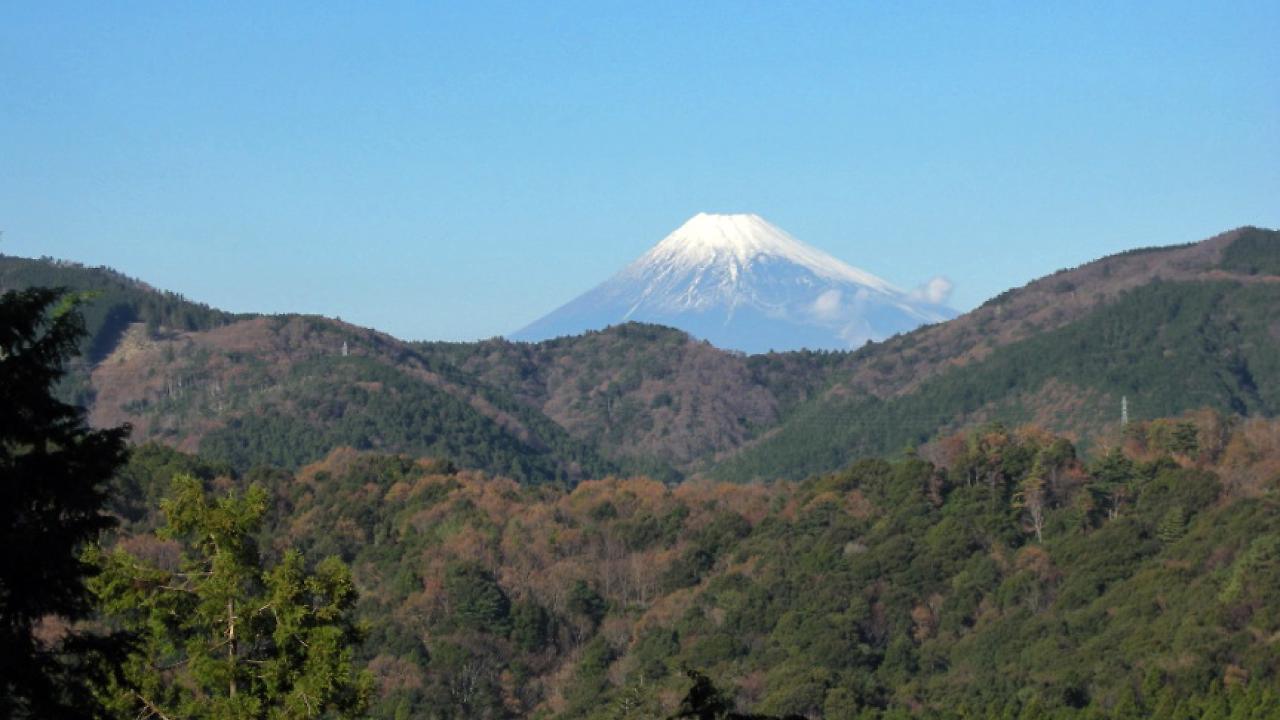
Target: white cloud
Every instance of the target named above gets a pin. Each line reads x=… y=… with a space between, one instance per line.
x=828 y=304
x=936 y=291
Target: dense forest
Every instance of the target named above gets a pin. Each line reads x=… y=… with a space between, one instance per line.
x=1000 y=574
x=361 y=403
x=318 y=520
x=1165 y=347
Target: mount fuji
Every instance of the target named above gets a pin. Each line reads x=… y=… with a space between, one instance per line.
x=742 y=283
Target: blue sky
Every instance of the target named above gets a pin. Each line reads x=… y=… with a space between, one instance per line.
x=453 y=171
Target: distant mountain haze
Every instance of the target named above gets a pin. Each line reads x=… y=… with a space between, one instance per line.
x=742 y=283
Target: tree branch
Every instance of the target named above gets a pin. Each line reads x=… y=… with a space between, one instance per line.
x=152 y=707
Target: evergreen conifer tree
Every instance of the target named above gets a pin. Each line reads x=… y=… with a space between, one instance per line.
x=219 y=636
x=53 y=475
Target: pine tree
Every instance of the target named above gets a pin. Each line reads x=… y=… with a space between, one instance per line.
x=217 y=635
x=53 y=473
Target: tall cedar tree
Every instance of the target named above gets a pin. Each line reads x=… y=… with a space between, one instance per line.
x=219 y=636
x=53 y=476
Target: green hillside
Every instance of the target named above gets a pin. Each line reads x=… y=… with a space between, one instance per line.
x=636 y=390
x=1167 y=347
x=358 y=402
x=1015 y=579
x=114 y=301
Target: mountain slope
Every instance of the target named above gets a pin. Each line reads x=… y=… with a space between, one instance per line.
x=1167 y=329
x=116 y=300
x=744 y=284
x=112 y=303
x=282 y=390
x=285 y=390
x=899 y=364
x=646 y=391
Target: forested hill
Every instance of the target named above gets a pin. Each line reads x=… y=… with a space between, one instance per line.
x=114 y=301
x=1003 y=576
x=282 y=390
x=1167 y=329
x=648 y=390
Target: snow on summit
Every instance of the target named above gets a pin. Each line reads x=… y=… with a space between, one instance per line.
x=743 y=283
x=737 y=240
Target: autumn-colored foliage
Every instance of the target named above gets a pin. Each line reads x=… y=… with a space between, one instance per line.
x=882 y=586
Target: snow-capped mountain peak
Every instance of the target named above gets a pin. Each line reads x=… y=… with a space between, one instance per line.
x=743 y=283
x=737 y=240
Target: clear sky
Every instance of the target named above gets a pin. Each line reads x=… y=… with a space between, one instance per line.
x=455 y=170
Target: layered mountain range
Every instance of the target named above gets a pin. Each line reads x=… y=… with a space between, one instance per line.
x=744 y=284
x=1003 y=572
x=1168 y=329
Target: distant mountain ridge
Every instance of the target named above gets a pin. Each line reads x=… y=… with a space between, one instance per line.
x=1171 y=329
x=744 y=284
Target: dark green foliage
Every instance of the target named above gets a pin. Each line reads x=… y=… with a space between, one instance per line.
x=1254 y=251
x=139 y=486
x=54 y=473
x=591 y=681
x=365 y=404
x=1014 y=582
x=531 y=626
x=650 y=398
x=688 y=569
x=1185 y=492
x=275 y=440
x=586 y=603
x=1168 y=347
x=372 y=401
x=652 y=653
x=113 y=302
x=475 y=600
x=464 y=682
x=703 y=701
x=916 y=613
x=1172 y=525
